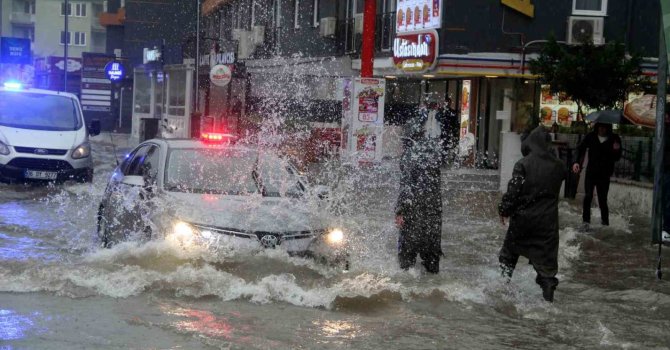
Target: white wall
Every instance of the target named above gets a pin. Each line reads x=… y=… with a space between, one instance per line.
x=510 y=153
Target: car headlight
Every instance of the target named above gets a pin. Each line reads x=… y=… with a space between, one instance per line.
x=82 y=151
x=335 y=236
x=183 y=233
x=4 y=149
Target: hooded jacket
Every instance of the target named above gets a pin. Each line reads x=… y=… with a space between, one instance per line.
x=531 y=201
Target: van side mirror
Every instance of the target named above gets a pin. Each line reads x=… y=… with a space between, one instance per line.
x=94 y=127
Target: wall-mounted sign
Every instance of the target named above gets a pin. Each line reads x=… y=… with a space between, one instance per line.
x=72 y=65
x=363 y=120
x=220 y=75
x=465 y=107
x=413 y=15
x=115 y=71
x=151 y=55
x=415 y=52
x=213 y=59
x=15 y=51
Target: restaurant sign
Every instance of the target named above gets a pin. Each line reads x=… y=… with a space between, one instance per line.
x=416 y=52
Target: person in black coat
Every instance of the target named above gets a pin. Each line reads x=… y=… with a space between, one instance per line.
x=604 y=149
x=419 y=206
x=531 y=203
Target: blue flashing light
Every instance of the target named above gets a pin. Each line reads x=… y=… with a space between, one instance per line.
x=13 y=85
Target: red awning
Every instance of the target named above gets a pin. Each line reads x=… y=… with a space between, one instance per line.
x=208 y=6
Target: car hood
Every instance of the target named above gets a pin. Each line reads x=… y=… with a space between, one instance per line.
x=247 y=213
x=40 y=138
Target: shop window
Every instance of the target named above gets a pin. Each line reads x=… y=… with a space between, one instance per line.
x=142 y=92
x=589 y=7
x=177 y=93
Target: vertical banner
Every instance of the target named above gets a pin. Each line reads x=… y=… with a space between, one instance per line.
x=465 y=107
x=363 y=120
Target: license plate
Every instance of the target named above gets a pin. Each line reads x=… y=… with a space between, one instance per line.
x=41 y=175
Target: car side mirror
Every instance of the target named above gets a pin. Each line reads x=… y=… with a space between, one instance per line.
x=94 y=127
x=133 y=180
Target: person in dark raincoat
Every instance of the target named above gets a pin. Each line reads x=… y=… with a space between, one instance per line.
x=531 y=203
x=604 y=149
x=419 y=206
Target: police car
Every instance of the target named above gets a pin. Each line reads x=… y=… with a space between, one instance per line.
x=215 y=193
x=43 y=136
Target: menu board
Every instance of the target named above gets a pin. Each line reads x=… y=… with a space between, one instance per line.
x=414 y=15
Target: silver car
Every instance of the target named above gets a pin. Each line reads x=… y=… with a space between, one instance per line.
x=217 y=193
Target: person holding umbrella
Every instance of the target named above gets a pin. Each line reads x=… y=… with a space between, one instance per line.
x=604 y=149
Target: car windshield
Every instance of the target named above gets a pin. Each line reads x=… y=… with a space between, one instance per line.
x=231 y=172
x=38 y=111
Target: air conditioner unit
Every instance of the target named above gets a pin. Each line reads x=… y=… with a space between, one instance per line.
x=259 y=34
x=581 y=29
x=246 y=44
x=358 y=23
x=327 y=26
x=236 y=33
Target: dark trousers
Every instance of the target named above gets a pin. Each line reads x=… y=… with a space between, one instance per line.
x=665 y=193
x=423 y=239
x=546 y=275
x=601 y=183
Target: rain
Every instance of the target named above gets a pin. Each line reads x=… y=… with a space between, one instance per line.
x=247 y=197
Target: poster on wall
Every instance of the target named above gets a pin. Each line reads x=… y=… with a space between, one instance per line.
x=363 y=120
x=465 y=107
x=558 y=108
x=412 y=15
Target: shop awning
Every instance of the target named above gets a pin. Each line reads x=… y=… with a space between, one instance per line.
x=208 y=6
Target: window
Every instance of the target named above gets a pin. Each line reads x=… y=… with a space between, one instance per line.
x=253 y=13
x=79 y=9
x=29 y=7
x=79 y=39
x=62 y=38
x=316 y=13
x=276 y=13
x=296 y=15
x=177 y=93
x=589 y=7
x=142 y=93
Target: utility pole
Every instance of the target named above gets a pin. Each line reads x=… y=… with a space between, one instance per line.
x=368 y=49
x=65 y=44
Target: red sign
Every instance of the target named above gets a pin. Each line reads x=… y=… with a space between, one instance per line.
x=415 y=52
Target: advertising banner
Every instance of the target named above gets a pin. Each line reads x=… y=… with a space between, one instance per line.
x=363 y=120
x=413 y=15
x=415 y=52
x=465 y=107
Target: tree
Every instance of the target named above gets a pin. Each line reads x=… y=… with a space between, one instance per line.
x=599 y=77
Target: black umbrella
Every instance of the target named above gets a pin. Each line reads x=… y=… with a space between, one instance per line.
x=608 y=116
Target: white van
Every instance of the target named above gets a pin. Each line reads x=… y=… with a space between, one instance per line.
x=43 y=136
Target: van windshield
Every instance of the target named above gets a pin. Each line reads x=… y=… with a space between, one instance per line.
x=38 y=111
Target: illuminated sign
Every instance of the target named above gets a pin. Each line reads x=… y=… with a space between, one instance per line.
x=415 y=52
x=213 y=59
x=414 y=15
x=220 y=75
x=114 y=71
x=151 y=55
x=15 y=50
x=524 y=6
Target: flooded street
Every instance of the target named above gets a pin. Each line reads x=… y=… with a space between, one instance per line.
x=60 y=290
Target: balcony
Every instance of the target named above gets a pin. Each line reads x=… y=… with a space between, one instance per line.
x=22 y=18
x=113 y=19
x=384 y=34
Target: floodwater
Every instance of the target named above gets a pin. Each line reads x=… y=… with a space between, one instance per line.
x=59 y=290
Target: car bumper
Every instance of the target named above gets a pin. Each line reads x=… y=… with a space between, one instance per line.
x=11 y=173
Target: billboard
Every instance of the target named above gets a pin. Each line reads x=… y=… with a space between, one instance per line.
x=15 y=51
x=414 y=15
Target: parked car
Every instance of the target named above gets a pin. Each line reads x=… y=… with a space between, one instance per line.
x=212 y=192
x=43 y=136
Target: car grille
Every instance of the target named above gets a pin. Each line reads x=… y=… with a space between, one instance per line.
x=281 y=236
x=40 y=164
x=43 y=151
